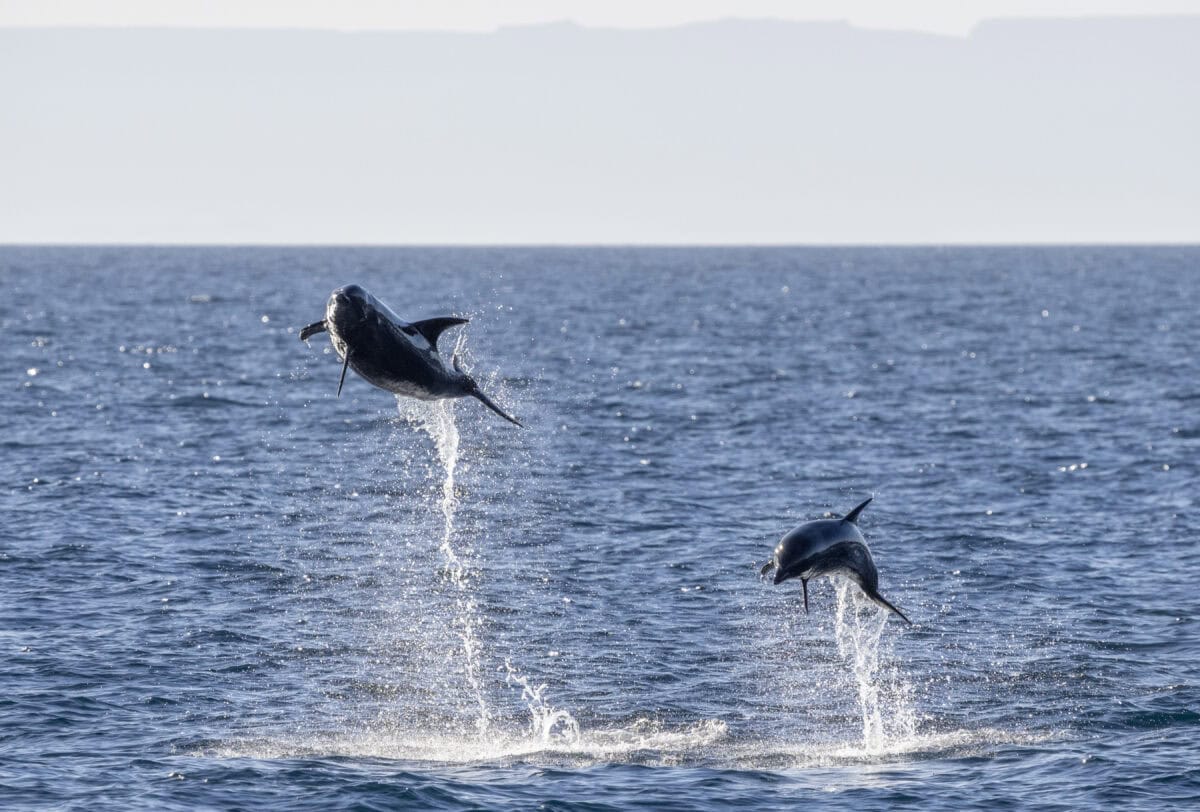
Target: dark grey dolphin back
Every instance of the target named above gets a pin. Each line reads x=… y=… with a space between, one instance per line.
x=847 y=557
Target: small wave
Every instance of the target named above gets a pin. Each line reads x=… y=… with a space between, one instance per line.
x=206 y=401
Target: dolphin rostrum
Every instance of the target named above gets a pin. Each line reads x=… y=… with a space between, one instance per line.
x=829 y=547
x=391 y=353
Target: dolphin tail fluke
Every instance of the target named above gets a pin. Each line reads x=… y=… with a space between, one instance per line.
x=882 y=601
x=345 y=363
x=312 y=329
x=767 y=567
x=486 y=401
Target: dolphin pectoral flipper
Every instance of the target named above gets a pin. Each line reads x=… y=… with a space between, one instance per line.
x=345 y=363
x=312 y=329
x=882 y=601
x=432 y=328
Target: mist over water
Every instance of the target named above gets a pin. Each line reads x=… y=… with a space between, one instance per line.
x=225 y=586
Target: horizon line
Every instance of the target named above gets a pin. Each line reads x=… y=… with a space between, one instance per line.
x=617 y=245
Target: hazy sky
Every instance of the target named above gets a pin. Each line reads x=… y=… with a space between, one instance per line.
x=750 y=132
x=943 y=16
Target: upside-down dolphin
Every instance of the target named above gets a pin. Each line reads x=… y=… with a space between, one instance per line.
x=391 y=353
x=829 y=547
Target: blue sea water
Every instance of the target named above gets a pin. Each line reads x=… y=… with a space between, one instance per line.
x=224 y=587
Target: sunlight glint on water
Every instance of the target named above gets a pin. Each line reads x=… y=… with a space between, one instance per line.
x=229 y=583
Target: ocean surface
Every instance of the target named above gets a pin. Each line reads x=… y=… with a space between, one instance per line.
x=222 y=586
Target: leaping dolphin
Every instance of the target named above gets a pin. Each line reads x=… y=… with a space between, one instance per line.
x=829 y=547
x=391 y=353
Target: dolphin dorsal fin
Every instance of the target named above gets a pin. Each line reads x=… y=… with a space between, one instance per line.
x=432 y=328
x=852 y=516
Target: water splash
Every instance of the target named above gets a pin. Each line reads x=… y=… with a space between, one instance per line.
x=707 y=743
x=884 y=700
x=437 y=420
x=547 y=724
x=641 y=741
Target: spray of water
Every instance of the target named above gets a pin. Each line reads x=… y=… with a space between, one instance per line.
x=437 y=420
x=883 y=699
x=548 y=725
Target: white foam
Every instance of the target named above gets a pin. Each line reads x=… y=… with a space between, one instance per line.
x=641 y=741
x=644 y=741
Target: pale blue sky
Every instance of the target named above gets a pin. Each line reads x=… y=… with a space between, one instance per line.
x=943 y=16
x=751 y=132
